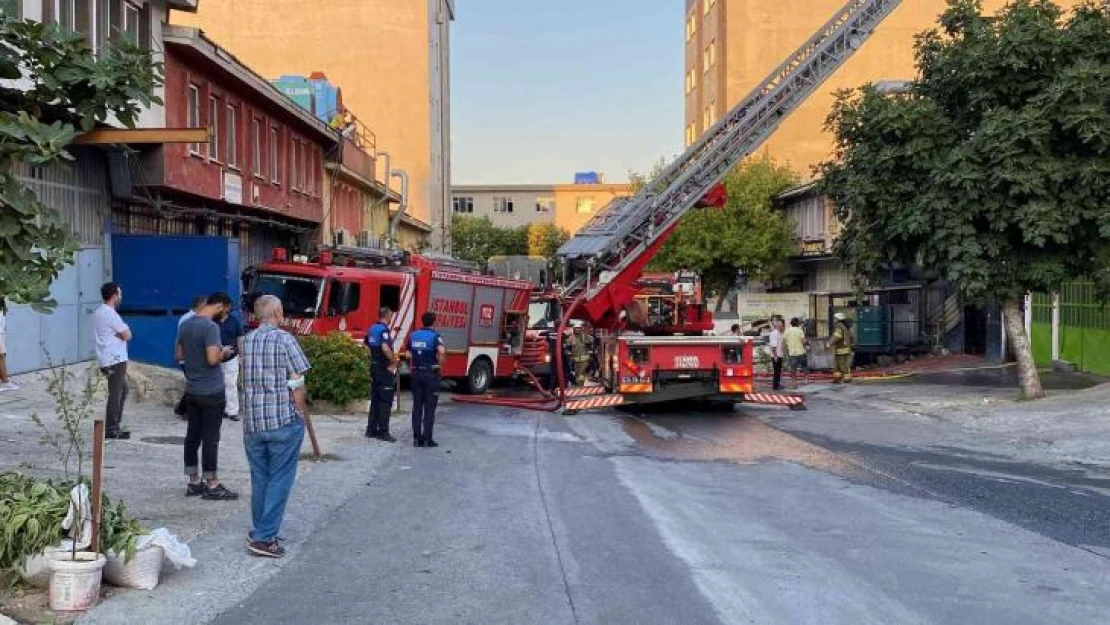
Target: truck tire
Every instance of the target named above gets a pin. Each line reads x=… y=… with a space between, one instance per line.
x=479 y=377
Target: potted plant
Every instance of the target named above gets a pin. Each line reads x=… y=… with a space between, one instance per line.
x=31 y=514
x=75 y=574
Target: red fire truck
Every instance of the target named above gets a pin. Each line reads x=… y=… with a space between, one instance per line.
x=481 y=318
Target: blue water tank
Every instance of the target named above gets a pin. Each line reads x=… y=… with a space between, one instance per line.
x=587 y=177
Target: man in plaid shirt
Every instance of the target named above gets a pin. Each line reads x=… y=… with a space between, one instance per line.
x=274 y=411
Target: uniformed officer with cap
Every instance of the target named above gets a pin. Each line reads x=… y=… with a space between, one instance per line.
x=383 y=377
x=426 y=349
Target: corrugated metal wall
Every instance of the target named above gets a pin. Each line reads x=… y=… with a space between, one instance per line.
x=77 y=190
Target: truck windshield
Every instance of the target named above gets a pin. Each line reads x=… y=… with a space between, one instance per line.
x=299 y=295
x=542 y=314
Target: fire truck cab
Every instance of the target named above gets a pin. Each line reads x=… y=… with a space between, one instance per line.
x=482 y=319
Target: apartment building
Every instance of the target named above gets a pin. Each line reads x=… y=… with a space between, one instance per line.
x=568 y=206
x=731 y=46
x=392 y=59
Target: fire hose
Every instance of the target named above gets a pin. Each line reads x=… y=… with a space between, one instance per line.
x=547 y=401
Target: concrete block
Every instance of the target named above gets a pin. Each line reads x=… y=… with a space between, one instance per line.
x=150 y=384
x=1063 y=366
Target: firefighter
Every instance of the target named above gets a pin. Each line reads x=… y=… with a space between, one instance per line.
x=426 y=349
x=841 y=345
x=580 y=354
x=383 y=377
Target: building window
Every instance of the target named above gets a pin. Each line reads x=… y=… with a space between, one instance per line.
x=707 y=116
x=232 y=135
x=275 y=164
x=256 y=147
x=584 y=205
x=691 y=81
x=710 y=56
x=707 y=5
x=503 y=204
x=308 y=180
x=131 y=16
x=462 y=205
x=545 y=205
x=60 y=12
x=213 y=128
x=294 y=160
x=192 y=107
x=691 y=26
x=691 y=134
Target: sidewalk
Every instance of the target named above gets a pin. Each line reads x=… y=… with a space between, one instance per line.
x=1068 y=427
x=146 y=472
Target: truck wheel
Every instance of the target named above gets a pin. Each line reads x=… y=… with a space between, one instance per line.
x=479 y=377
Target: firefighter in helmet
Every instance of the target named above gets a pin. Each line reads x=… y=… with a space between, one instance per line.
x=841 y=345
x=580 y=353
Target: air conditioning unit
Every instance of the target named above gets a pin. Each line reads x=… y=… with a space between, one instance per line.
x=341 y=238
x=367 y=239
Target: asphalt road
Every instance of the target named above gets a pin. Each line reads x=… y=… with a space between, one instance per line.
x=749 y=517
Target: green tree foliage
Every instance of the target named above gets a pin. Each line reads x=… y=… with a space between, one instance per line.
x=994 y=169
x=544 y=239
x=65 y=91
x=477 y=239
x=340 y=369
x=747 y=237
x=637 y=181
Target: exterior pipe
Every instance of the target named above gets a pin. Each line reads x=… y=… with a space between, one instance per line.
x=396 y=220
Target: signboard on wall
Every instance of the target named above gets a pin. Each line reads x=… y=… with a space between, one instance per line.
x=815 y=247
x=755 y=306
x=233 y=187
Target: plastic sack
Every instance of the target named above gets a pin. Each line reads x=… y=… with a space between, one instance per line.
x=80 y=510
x=144 y=569
x=141 y=572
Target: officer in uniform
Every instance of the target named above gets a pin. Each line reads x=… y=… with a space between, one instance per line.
x=841 y=344
x=425 y=348
x=383 y=377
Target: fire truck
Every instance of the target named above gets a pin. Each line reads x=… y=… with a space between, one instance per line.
x=481 y=318
x=603 y=261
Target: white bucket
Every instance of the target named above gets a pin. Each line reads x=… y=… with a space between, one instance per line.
x=75 y=584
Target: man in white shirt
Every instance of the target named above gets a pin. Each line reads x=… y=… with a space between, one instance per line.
x=775 y=343
x=111 y=335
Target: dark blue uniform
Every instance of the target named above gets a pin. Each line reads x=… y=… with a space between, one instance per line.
x=423 y=347
x=383 y=383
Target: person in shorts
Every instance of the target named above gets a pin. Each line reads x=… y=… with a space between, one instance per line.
x=796 y=347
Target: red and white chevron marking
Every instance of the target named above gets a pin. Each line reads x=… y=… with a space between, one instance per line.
x=774 y=398
x=403 y=318
x=605 y=401
x=585 y=391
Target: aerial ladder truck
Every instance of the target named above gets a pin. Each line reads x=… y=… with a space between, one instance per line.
x=604 y=259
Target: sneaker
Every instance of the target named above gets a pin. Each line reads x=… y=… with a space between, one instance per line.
x=269 y=549
x=122 y=435
x=9 y=386
x=194 y=490
x=386 y=437
x=219 y=493
x=430 y=443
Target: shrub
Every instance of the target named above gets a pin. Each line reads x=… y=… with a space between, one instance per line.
x=340 y=369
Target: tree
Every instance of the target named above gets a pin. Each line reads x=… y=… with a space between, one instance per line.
x=747 y=237
x=994 y=169
x=476 y=239
x=637 y=181
x=63 y=89
x=544 y=239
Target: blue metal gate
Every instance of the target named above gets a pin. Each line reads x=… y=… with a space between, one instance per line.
x=160 y=276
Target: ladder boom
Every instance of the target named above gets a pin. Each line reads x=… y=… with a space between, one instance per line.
x=610 y=251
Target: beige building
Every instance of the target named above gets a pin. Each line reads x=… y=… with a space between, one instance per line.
x=731 y=45
x=391 y=59
x=509 y=206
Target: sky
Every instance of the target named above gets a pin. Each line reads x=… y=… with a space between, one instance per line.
x=542 y=89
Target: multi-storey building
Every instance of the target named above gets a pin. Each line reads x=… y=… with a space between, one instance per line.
x=568 y=206
x=731 y=45
x=392 y=59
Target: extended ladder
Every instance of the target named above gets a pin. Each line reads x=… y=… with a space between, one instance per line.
x=623 y=233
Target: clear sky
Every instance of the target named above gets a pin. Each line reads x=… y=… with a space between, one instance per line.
x=542 y=89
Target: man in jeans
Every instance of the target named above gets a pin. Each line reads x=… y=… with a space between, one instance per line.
x=274 y=410
x=199 y=346
x=111 y=335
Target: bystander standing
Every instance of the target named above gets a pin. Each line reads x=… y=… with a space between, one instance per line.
x=199 y=346
x=796 y=347
x=775 y=344
x=5 y=383
x=111 y=335
x=274 y=410
x=231 y=335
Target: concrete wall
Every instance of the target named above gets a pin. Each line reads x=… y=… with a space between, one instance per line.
x=376 y=50
x=525 y=200
x=759 y=34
